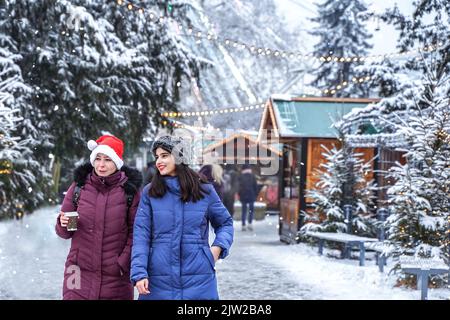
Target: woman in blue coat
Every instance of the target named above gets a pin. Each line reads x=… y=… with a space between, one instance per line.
x=171 y=256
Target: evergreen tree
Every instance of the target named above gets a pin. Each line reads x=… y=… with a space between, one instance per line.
x=387 y=77
x=96 y=65
x=427 y=45
x=342 y=34
x=8 y=148
x=342 y=181
x=416 y=107
x=92 y=67
x=420 y=198
x=21 y=175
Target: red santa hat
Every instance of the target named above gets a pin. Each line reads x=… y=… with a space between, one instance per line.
x=108 y=145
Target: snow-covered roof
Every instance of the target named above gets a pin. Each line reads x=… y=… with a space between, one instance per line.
x=254 y=141
x=295 y=117
x=384 y=117
x=390 y=140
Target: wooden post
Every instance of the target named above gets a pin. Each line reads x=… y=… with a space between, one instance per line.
x=56 y=175
x=321 y=242
x=382 y=215
x=424 y=284
x=303 y=158
x=362 y=253
x=381 y=262
x=348 y=217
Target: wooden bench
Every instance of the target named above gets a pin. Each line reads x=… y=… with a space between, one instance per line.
x=423 y=268
x=348 y=239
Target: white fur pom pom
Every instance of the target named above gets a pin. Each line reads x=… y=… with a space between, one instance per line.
x=92 y=144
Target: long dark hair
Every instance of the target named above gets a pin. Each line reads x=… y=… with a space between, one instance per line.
x=190 y=184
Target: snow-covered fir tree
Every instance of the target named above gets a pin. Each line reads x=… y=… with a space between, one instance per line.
x=21 y=174
x=10 y=195
x=342 y=181
x=93 y=66
x=98 y=64
x=420 y=198
x=386 y=77
x=342 y=34
x=10 y=82
x=8 y=143
x=416 y=90
x=425 y=42
x=414 y=85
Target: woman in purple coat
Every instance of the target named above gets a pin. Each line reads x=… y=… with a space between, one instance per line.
x=105 y=194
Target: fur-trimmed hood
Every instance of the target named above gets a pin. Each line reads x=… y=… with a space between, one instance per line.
x=132 y=185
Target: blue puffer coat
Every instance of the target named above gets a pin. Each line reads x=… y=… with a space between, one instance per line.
x=170 y=243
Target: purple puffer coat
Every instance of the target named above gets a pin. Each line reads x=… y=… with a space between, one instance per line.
x=98 y=263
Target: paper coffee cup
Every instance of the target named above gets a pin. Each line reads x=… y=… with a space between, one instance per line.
x=72 y=225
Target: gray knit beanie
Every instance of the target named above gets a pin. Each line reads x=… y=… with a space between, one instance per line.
x=177 y=146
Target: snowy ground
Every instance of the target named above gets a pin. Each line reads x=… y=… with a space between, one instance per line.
x=259 y=266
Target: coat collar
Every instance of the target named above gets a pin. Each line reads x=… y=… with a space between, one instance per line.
x=131 y=184
x=173 y=184
x=117 y=178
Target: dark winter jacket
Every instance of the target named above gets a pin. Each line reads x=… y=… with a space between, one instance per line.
x=101 y=247
x=248 y=188
x=170 y=246
x=150 y=173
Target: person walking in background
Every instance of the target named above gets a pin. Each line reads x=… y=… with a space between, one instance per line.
x=214 y=175
x=150 y=172
x=105 y=193
x=230 y=188
x=247 y=195
x=171 y=256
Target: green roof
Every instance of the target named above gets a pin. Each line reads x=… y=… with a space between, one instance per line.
x=306 y=118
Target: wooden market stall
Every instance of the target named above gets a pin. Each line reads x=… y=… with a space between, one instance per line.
x=302 y=126
x=242 y=148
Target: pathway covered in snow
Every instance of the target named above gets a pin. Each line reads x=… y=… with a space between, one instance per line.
x=262 y=267
x=249 y=273
x=32 y=257
x=259 y=266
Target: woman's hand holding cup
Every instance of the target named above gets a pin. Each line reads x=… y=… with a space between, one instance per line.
x=63 y=220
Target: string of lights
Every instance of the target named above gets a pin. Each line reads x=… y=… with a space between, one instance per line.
x=5 y=167
x=265 y=51
x=212 y=111
x=179 y=125
x=260 y=105
x=293 y=55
